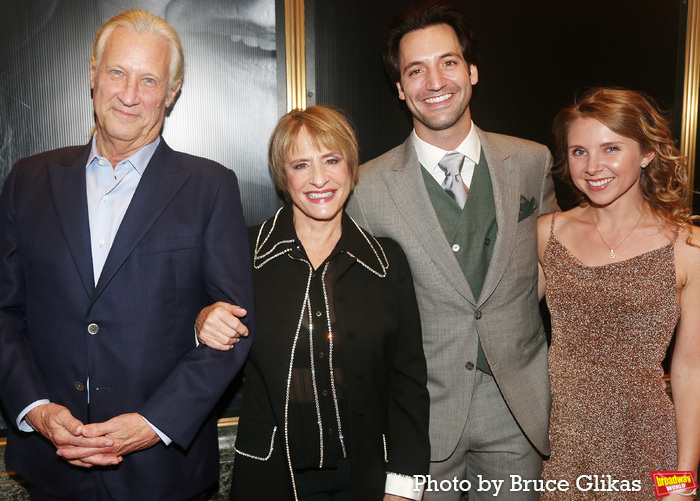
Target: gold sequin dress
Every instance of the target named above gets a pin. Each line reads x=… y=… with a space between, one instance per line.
x=611 y=326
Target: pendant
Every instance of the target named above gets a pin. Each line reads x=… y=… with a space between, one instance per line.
x=612 y=254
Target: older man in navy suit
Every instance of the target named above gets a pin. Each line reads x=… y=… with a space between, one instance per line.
x=107 y=253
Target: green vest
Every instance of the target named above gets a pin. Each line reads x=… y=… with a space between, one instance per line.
x=471 y=231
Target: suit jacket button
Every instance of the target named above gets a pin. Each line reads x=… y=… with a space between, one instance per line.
x=477 y=315
x=469 y=366
x=93 y=329
x=79 y=386
x=456 y=247
x=487 y=241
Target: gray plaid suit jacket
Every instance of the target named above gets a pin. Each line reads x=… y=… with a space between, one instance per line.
x=391 y=200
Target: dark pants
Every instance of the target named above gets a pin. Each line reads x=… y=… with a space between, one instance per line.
x=331 y=484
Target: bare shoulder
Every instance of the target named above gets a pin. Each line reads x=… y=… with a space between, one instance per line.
x=688 y=243
x=564 y=220
x=563 y=223
x=569 y=226
x=688 y=255
x=544 y=223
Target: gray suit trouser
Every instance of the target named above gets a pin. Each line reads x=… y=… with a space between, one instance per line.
x=493 y=453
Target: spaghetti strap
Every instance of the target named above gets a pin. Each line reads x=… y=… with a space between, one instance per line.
x=677 y=232
x=551 y=228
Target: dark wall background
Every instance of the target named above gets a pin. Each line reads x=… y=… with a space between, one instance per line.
x=534 y=55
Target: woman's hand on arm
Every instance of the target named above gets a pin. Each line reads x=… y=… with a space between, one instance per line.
x=218 y=325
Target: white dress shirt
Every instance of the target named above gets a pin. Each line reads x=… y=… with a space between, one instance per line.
x=429 y=156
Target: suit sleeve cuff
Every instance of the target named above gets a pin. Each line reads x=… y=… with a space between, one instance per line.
x=403 y=485
x=166 y=440
x=21 y=423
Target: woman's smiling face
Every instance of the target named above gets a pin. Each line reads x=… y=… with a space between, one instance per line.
x=604 y=165
x=318 y=180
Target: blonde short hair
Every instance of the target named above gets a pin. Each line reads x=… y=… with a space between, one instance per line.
x=326 y=126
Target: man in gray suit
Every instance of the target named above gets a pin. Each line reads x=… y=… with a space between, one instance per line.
x=467 y=222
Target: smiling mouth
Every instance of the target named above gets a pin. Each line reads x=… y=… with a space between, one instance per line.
x=600 y=183
x=315 y=195
x=438 y=99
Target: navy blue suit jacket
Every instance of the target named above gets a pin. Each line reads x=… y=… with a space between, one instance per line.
x=181 y=246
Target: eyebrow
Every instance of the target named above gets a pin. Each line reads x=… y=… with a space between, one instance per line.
x=443 y=56
x=451 y=54
x=601 y=145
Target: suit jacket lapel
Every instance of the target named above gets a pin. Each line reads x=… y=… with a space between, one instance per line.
x=68 y=190
x=161 y=181
x=407 y=188
x=504 y=179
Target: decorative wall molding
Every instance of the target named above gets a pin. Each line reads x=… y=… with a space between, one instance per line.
x=691 y=89
x=295 y=42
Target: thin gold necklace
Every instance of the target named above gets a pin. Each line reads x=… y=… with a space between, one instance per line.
x=613 y=249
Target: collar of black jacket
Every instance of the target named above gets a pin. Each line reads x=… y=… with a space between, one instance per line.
x=277 y=237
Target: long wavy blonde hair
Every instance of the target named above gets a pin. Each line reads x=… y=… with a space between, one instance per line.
x=664 y=182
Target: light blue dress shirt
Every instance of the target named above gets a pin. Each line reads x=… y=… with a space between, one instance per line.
x=109 y=193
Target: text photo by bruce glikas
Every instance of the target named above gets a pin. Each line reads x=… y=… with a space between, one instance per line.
x=584 y=483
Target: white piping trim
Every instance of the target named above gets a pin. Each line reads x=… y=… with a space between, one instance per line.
x=269 y=454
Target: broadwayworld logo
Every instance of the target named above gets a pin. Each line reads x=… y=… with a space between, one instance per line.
x=668 y=482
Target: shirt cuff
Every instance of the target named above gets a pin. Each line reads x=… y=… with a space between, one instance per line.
x=404 y=486
x=166 y=440
x=21 y=423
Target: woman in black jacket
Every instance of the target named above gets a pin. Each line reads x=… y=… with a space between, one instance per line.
x=335 y=405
